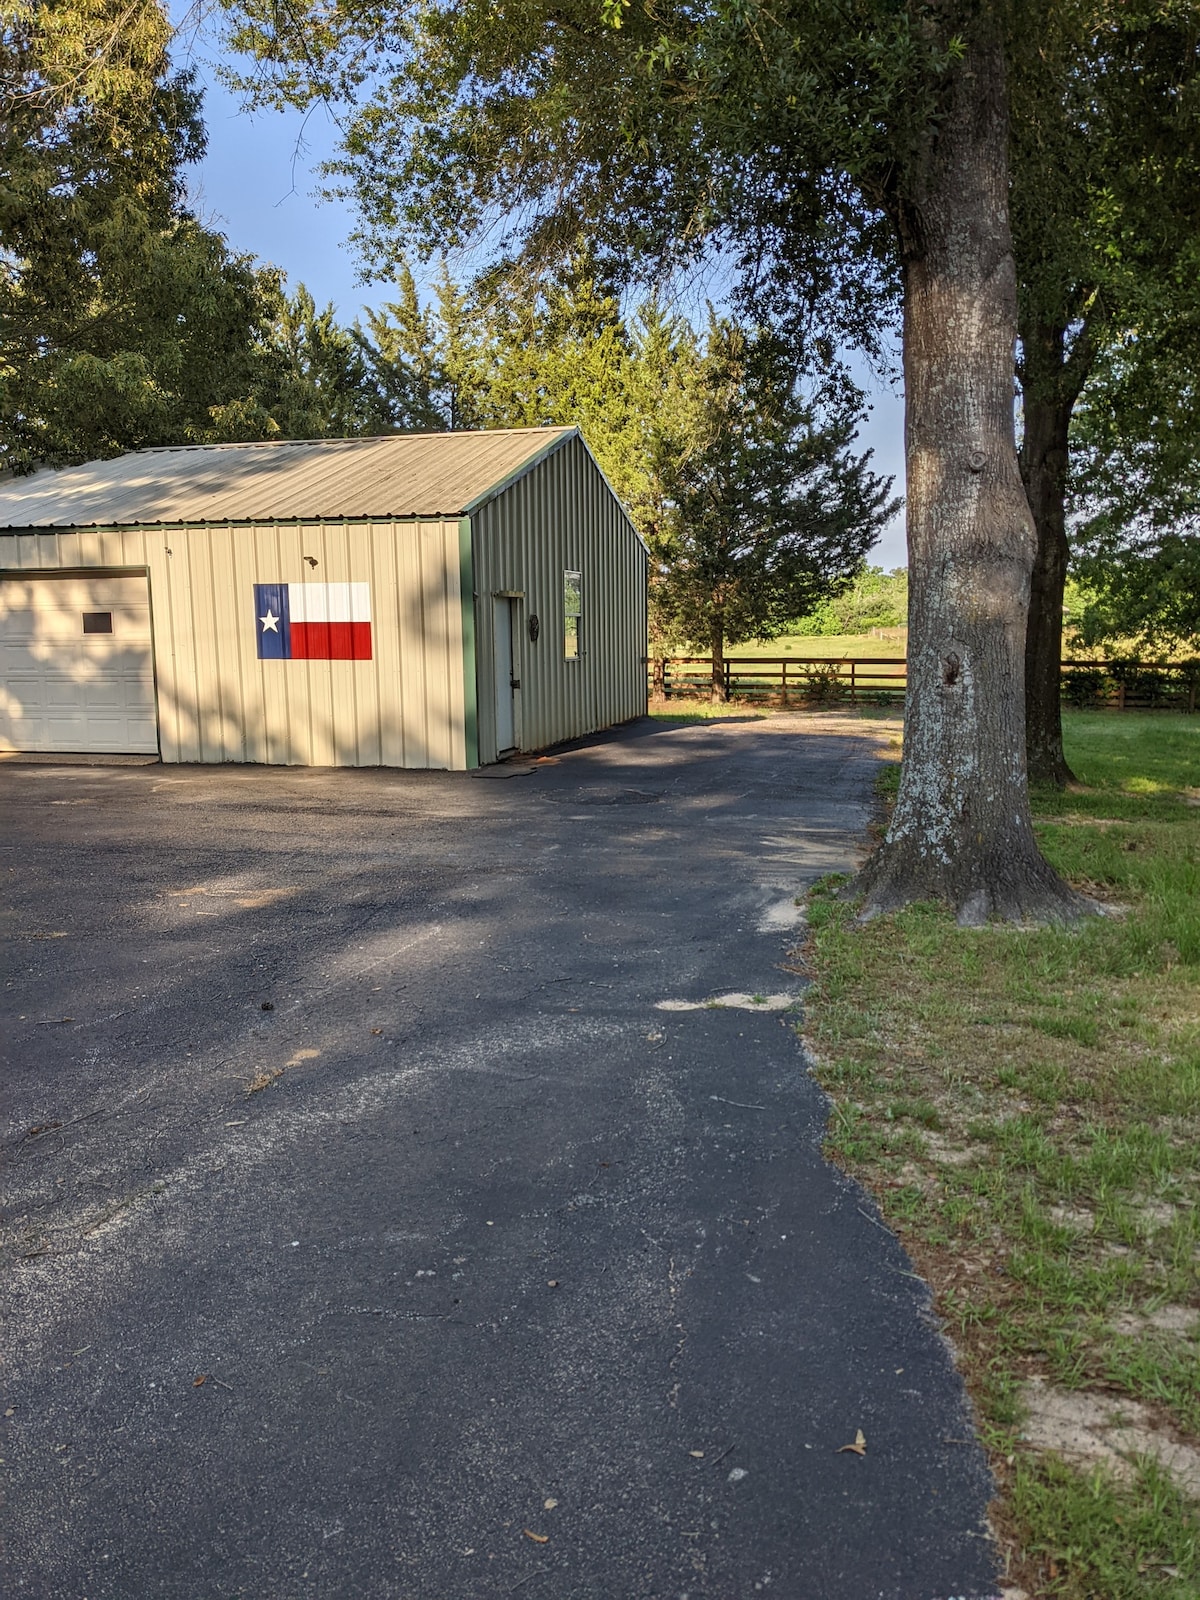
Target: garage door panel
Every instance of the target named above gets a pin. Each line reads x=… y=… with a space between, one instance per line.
x=67 y=690
x=109 y=693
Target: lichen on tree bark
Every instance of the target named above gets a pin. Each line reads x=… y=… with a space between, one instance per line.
x=961 y=831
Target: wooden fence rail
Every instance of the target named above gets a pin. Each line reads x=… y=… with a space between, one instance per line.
x=881 y=680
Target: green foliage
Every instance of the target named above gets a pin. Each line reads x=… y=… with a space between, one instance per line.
x=875 y=599
x=423 y=361
x=1106 y=184
x=313 y=378
x=786 y=134
x=821 y=685
x=1136 y=682
x=1135 y=488
x=795 y=139
x=122 y=321
x=509 y=353
x=1105 y=139
x=1146 y=593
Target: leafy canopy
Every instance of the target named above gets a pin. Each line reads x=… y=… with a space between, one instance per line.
x=1106 y=189
x=875 y=599
x=785 y=135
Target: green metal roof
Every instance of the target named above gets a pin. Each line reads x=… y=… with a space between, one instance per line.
x=403 y=475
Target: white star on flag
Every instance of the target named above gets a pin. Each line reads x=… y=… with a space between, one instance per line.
x=270 y=622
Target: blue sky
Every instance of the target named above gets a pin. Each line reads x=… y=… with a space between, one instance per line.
x=257 y=185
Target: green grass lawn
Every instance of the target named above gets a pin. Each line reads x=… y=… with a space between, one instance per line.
x=691 y=710
x=843 y=645
x=1025 y=1104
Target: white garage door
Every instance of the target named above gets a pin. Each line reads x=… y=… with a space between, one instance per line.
x=76 y=665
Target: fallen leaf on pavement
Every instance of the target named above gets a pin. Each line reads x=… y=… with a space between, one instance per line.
x=859 y=1447
x=203 y=1378
x=549 y=1505
x=264 y=1080
x=699 y=1454
x=538 y=1538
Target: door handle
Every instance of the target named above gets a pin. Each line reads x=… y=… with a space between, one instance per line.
x=515 y=683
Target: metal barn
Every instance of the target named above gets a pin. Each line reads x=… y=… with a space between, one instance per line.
x=422 y=600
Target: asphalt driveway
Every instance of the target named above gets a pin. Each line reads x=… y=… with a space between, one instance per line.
x=388 y=1214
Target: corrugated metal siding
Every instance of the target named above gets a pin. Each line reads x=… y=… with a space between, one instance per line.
x=562 y=516
x=218 y=702
x=402 y=476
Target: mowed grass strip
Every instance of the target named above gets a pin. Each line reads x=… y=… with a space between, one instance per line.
x=1025 y=1104
x=839 y=646
x=690 y=709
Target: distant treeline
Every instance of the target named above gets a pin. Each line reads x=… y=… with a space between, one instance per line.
x=876 y=599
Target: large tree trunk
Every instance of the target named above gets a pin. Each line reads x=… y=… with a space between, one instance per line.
x=1044 y=448
x=717 y=646
x=961 y=831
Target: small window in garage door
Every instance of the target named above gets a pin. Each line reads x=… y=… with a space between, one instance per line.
x=77 y=665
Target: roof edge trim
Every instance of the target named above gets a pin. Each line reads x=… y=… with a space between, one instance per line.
x=613 y=492
x=19 y=530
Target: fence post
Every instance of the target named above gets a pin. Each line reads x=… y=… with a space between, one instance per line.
x=728 y=679
x=853 y=685
x=783 y=699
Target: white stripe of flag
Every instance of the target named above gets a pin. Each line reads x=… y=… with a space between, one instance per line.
x=329 y=602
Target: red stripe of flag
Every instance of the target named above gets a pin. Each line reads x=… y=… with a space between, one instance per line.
x=331 y=641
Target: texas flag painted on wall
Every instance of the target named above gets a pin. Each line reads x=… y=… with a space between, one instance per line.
x=313 y=621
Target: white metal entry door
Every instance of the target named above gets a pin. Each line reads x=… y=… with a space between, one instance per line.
x=504 y=673
x=77 y=665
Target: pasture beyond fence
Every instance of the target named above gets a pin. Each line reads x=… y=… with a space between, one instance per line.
x=881 y=680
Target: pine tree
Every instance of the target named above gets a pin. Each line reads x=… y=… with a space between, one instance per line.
x=401 y=347
x=768 y=510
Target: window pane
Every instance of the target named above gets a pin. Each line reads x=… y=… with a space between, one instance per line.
x=572 y=607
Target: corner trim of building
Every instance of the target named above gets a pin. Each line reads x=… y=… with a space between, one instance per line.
x=562 y=437
x=466 y=580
